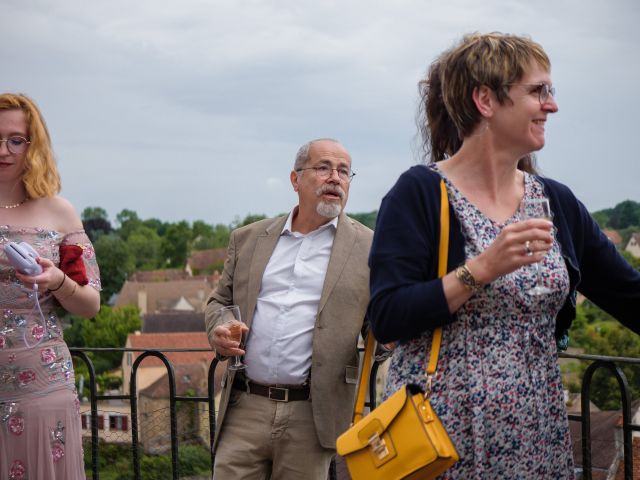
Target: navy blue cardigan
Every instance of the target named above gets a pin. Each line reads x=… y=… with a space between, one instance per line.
x=407 y=297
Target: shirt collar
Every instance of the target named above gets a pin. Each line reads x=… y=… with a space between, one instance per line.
x=286 y=230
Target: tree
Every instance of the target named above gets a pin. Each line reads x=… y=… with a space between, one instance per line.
x=625 y=214
x=146 y=246
x=95 y=222
x=249 y=219
x=175 y=244
x=128 y=221
x=93 y=213
x=116 y=262
x=597 y=333
x=110 y=328
x=368 y=219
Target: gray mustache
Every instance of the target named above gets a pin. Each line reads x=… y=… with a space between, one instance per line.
x=330 y=189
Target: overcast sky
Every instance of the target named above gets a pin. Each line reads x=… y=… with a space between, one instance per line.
x=194 y=109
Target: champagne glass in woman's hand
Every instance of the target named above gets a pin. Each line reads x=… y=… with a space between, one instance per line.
x=536 y=208
x=230 y=318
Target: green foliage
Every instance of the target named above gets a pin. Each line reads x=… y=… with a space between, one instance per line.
x=146 y=247
x=155 y=467
x=94 y=212
x=176 y=244
x=110 y=328
x=602 y=218
x=625 y=214
x=597 y=333
x=368 y=219
x=116 y=262
x=194 y=460
x=128 y=221
x=633 y=260
x=115 y=462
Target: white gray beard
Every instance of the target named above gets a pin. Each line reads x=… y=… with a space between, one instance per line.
x=329 y=209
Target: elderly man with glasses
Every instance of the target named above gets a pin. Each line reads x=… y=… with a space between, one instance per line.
x=302 y=284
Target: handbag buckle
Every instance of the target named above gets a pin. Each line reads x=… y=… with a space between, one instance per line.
x=378 y=446
x=427 y=387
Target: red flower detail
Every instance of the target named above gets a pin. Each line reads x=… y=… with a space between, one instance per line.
x=18 y=471
x=16 y=424
x=48 y=356
x=57 y=451
x=3 y=342
x=26 y=376
x=37 y=332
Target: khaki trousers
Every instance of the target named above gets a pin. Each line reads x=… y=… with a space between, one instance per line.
x=262 y=439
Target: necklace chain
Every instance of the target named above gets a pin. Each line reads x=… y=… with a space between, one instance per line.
x=15 y=205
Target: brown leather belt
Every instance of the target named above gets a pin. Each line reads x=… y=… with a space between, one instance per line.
x=277 y=394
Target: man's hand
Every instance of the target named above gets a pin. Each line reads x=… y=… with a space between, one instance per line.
x=225 y=343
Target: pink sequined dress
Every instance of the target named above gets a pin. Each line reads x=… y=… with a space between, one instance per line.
x=40 y=432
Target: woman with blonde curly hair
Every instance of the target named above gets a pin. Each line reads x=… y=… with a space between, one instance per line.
x=41 y=435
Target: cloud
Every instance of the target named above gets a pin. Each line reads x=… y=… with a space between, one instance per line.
x=195 y=109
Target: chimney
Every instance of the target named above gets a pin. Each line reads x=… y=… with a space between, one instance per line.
x=142 y=301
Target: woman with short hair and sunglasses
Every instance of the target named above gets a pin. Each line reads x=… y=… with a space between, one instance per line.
x=40 y=435
x=498 y=389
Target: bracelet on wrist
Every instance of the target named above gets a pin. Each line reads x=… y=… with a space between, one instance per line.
x=61 y=283
x=467 y=279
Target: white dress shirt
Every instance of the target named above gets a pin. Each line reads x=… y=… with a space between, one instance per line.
x=279 y=344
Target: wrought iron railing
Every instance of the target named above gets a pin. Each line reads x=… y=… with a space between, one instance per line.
x=613 y=364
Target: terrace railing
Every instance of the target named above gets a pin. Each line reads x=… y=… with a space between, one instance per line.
x=612 y=364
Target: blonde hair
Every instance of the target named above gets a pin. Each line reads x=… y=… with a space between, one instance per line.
x=41 y=177
x=447 y=112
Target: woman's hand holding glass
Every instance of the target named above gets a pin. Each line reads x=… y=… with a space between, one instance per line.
x=519 y=244
x=228 y=334
x=530 y=209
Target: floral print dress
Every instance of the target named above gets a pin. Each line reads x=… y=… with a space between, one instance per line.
x=40 y=433
x=498 y=389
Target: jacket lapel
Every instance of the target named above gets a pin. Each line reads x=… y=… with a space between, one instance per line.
x=342 y=246
x=265 y=244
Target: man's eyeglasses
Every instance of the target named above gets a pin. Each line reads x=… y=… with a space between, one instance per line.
x=16 y=145
x=325 y=171
x=543 y=90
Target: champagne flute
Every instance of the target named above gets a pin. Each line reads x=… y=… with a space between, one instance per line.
x=230 y=317
x=536 y=208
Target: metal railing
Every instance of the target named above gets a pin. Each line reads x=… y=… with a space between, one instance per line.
x=597 y=362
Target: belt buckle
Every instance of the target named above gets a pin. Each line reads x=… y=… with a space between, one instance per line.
x=285 y=393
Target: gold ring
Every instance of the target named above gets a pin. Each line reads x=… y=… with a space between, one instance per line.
x=527 y=248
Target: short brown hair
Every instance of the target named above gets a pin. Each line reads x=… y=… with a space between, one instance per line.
x=447 y=112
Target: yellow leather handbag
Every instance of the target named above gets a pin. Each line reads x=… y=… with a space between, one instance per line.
x=403 y=438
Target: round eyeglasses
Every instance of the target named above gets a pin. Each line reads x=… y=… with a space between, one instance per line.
x=544 y=90
x=325 y=171
x=16 y=145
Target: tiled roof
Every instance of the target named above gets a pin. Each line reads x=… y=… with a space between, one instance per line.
x=613 y=235
x=158 y=341
x=163 y=295
x=159 y=275
x=603 y=445
x=173 y=322
x=203 y=259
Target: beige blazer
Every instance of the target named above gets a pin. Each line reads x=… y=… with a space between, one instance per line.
x=341 y=312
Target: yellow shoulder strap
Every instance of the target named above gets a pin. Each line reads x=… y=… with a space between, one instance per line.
x=443 y=251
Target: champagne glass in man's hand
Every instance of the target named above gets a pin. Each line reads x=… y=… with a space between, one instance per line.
x=536 y=208
x=229 y=317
